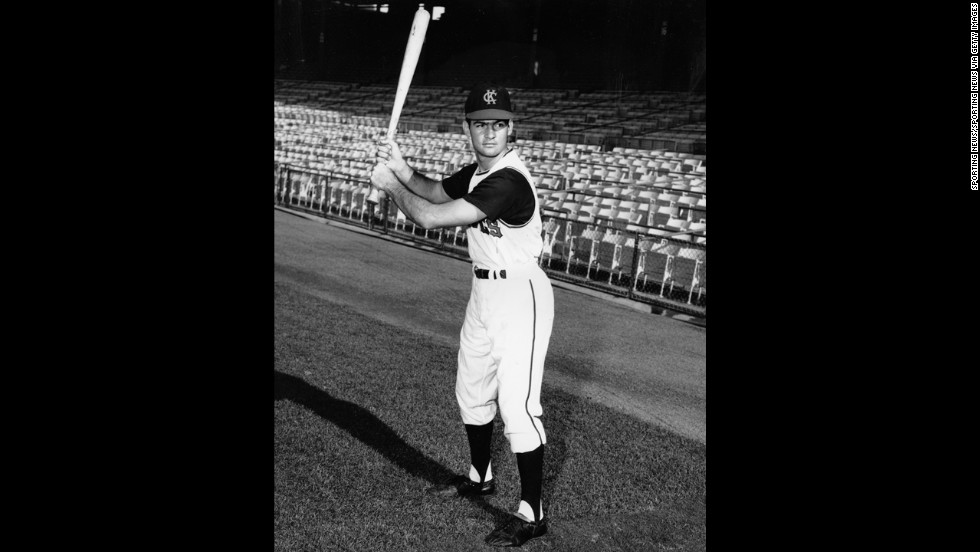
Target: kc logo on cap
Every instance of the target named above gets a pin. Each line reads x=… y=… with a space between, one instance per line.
x=488 y=101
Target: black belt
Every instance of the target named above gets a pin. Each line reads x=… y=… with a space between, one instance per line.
x=485 y=274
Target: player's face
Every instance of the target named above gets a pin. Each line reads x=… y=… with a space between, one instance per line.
x=489 y=137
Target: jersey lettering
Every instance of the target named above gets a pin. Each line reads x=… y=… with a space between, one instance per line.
x=490 y=227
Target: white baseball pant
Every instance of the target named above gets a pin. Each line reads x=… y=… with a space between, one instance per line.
x=502 y=350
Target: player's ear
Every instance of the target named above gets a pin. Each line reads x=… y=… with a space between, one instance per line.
x=466 y=128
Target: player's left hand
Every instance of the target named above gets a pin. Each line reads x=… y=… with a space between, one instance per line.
x=382 y=178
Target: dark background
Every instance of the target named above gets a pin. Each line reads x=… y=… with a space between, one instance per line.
x=613 y=44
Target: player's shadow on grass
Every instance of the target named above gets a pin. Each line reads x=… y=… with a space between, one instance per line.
x=371 y=431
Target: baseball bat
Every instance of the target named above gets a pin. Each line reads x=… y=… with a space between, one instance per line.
x=420 y=23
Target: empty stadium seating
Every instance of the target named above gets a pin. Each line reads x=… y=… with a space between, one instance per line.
x=617 y=175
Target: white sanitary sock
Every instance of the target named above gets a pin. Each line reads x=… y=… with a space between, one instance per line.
x=525 y=511
x=475 y=477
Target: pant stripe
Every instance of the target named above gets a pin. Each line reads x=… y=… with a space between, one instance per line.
x=530 y=378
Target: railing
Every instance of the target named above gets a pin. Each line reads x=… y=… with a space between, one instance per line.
x=644 y=263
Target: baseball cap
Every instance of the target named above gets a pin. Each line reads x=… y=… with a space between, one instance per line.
x=488 y=101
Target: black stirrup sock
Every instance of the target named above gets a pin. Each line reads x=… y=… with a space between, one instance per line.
x=479 y=437
x=531 y=467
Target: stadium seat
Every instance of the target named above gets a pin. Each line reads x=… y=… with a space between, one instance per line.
x=571 y=208
x=627 y=205
x=668 y=198
x=685 y=204
x=646 y=195
x=616 y=265
x=611 y=248
x=553 y=202
x=316 y=195
x=679 y=184
x=661 y=214
x=345 y=198
x=698 y=255
x=359 y=201
x=612 y=191
x=585 y=214
x=698 y=228
x=702 y=205
x=588 y=240
x=323 y=183
x=605 y=214
x=676 y=224
x=285 y=185
x=590 y=206
x=551 y=230
x=643 y=250
x=308 y=192
x=549 y=181
x=622 y=218
x=638 y=222
x=668 y=250
x=606 y=201
x=459 y=231
x=295 y=187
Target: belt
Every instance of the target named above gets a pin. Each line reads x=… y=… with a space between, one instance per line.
x=485 y=274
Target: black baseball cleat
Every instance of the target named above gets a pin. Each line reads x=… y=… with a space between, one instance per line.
x=464 y=488
x=516 y=532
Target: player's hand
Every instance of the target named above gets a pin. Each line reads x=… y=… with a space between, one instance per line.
x=391 y=156
x=382 y=178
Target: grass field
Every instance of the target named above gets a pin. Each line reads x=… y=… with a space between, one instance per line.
x=366 y=419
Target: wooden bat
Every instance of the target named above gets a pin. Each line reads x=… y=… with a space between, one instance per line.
x=412 y=52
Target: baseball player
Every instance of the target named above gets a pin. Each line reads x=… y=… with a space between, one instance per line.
x=505 y=334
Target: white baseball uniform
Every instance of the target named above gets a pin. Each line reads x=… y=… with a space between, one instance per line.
x=505 y=335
